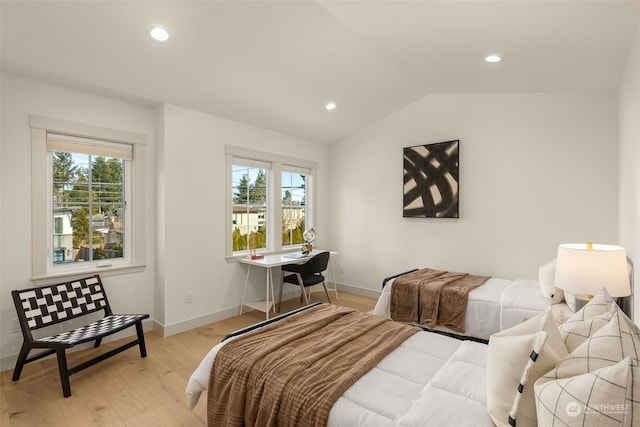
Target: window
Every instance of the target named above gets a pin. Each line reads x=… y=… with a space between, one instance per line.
x=249 y=182
x=58 y=224
x=293 y=205
x=270 y=200
x=88 y=192
x=88 y=202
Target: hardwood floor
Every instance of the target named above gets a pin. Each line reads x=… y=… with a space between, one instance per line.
x=126 y=390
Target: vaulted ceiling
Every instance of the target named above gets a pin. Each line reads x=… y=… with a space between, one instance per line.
x=275 y=64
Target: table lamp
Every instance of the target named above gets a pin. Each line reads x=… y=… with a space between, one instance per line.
x=309 y=237
x=583 y=269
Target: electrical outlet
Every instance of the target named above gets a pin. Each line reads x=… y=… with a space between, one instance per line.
x=15 y=325
x=188 y=297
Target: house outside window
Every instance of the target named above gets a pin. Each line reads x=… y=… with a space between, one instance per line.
x=62 y=235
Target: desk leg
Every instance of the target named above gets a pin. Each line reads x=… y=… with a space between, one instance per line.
x=273 y=294
x=333 y=279
x=267 y=306
x=246 y=281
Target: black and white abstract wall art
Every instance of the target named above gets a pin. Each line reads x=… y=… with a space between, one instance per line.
x=431 y=180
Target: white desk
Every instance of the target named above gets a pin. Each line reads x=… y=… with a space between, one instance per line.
x=269 y=262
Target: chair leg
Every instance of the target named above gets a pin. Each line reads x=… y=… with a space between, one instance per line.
x=301 y=283
x=326 y=292
x=22 y=357
x=98 y=342
x=141 y=343
x=64 y=372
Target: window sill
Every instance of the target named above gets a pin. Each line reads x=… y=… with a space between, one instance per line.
x=94 y=269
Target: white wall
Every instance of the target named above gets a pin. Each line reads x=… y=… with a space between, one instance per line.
x=629 y=112
x=192 y=212
x=20 y=98
x=185 y=182
x=536 y=170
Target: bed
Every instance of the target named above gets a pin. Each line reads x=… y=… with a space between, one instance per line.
x=495 y=306
x=531 y=374
x=428 y=376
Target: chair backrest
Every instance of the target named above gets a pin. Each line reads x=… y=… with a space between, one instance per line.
x=317 y=263
x=46 y=305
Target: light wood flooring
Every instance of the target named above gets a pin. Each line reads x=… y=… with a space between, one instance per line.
x=126 y=390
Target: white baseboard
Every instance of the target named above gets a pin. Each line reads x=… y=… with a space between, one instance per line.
x=183 y=326
x=186 y=325
x=360 y=291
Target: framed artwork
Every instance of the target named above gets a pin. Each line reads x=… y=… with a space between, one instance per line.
x=431 y=180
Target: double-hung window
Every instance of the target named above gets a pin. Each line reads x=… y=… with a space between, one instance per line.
x=269 y=199
x=250 y=203
x=88 y=189
x=293 y=204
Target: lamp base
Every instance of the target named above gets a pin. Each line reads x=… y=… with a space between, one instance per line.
x=626 y=304
x=576 y=301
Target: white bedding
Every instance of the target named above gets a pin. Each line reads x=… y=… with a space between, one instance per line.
x=429 y=380
x=496 y=305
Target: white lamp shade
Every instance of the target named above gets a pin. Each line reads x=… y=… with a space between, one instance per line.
x=584 y=270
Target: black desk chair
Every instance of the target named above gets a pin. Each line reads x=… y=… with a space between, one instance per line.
x=305 y=275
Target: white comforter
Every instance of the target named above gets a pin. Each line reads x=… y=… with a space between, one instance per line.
x=495 y=306
x=429 y=380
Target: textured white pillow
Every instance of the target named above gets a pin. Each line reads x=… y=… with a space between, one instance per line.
x=546 y=279
x=597 y=398
x=617 y=340
x=516 y=358
x=586 y=321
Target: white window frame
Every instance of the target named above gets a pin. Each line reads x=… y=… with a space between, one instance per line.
x=41 y=200
x=307 y=173
x=274 y=203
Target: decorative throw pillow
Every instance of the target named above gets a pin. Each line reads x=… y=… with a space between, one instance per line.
x=617 y=340
x=546 y=279
x=597 y=398
x=516 y=358
x=584 y=323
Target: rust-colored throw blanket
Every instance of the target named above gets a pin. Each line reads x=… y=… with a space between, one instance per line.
x=432 y=297
x=291 y=372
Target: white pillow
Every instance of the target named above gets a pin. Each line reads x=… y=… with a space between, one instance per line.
x=516 y=358
x=597 y=398
x=546 y=279
x=586 y=321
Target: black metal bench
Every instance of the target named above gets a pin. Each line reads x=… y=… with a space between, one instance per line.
x=47 y=305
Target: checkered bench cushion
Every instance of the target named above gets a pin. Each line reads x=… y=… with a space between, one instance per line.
x=105 y=326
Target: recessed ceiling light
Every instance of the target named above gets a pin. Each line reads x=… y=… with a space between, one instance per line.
x=330 y=106
x=159 y=33
x=493 y=58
